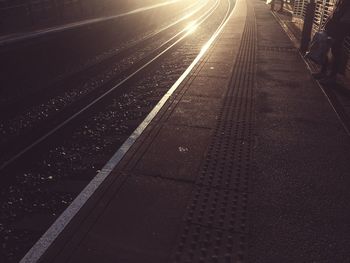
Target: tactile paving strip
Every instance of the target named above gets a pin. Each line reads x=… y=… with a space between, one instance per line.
x=227 y=166
x=229 y=161
x=215 y=223
x=218 y=208
x=198 y=244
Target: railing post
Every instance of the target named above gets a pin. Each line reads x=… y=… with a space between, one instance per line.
x=307 y=28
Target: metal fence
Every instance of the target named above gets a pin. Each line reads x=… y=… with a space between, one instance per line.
x=299 y=9
x=323 y=9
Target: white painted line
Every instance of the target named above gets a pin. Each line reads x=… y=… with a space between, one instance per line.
x=37 y=33
x=62 y=221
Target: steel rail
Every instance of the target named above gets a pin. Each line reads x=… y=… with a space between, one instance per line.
x=128 y=47
x=180 y=35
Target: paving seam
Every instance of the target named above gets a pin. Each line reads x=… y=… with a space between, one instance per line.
x=115 y=182
x=119 y=180
x=166 y=178
x=155 y=128
x=60 y=244
x=168 y=109
x=215 y=224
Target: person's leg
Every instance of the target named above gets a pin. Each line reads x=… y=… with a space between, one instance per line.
x=335 y=63
x=336 y=57
x=281 y=7
x=323 y=72
x=324 y=68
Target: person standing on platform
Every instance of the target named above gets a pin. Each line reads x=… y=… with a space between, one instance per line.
x=272 y=3
x=337 y=27
x=281 y=7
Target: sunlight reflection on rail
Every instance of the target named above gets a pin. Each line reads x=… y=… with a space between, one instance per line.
x=205 y=48
x=191 y=27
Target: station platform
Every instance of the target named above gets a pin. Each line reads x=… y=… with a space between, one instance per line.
x=246 y=161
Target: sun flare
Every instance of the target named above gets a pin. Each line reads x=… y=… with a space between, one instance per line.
x=191 y=27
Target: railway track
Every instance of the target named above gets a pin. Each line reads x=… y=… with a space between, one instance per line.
x=44 y=177
x=44 y=124
x=72 y=77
